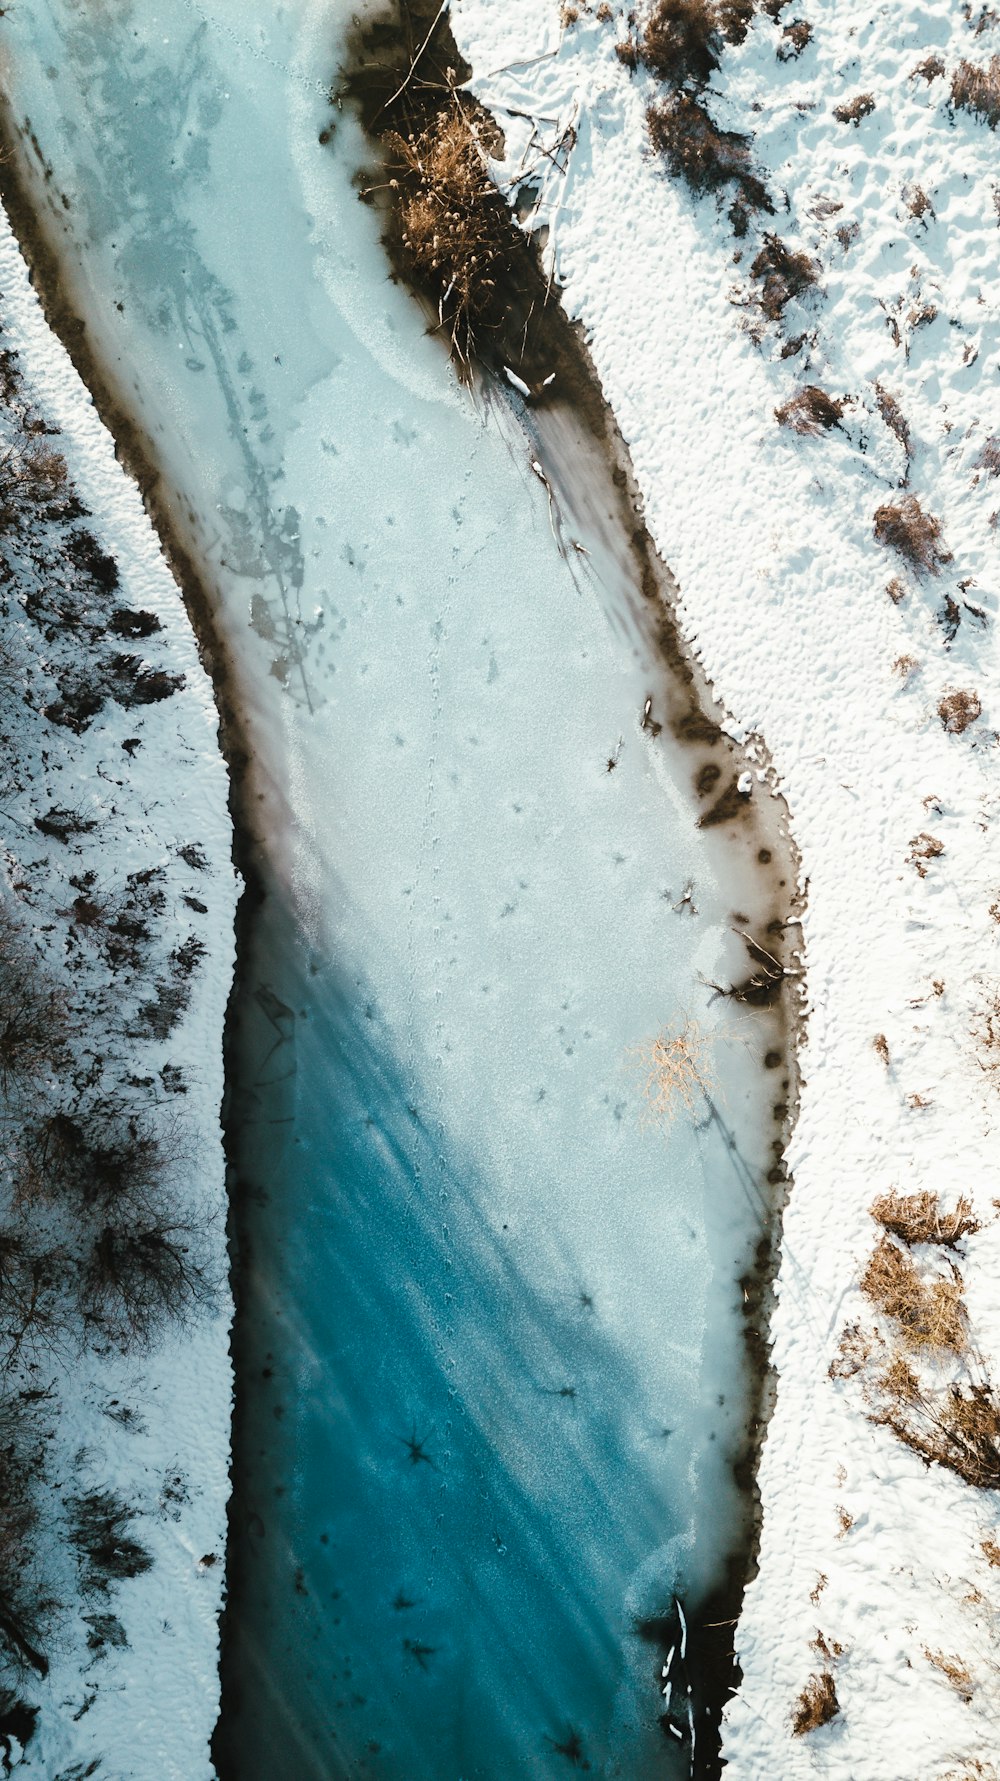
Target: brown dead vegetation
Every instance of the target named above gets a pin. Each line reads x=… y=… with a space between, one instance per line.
x=931 y=68
x=681 y=41
x=853 y=110
x=916 y=535
x=923 y=849
x=705 y=157
x=677 y=1070
x=919 y=1218
x=816 y=1705
x=978 y=90
x=958 y=708
x=783 y=274
x=991 y=1552
x=455 y=225
x=810 y=411
x=894 y=417
x=794 y=39
x=927 y=1313
x=954 y=1672
x=989 y=456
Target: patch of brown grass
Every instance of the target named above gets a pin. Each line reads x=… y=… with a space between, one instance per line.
x=929 y=69
x=958 y=708
x=928 y=1314
x=816 y=1705
x=919 y=1218
x=954 y=1671
x=853 y=110
x=810 y=410
x=958 y=1428
x=782 y=274
x=904 y=526
x=978 y=90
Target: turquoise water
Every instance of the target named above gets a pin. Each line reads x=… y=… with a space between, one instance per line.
x=490 y=1365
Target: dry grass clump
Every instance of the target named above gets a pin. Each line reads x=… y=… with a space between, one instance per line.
x=782 y=274
x=853 y=110
x=904 y=526
x=880 y=1045
x=923 y=849
x=677 y=1070
x=957 y=709
x=958 y=1428
x=794 y=39
x=894 y=417
x=991 y=1552
x=978 y=90
x=705 y=157
x=989 y=456
x=954 y=1671
x=931 y=68
x=928 y=1314
x=816 y=1705
x=919 y=1218
x=810 y=410
x=681 y=41
x=455 y=226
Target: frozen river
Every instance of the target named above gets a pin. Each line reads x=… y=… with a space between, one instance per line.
x=491 y=1376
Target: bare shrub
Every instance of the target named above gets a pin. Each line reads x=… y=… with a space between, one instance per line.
x=810 y=410
x=107 y=1552
x=978 y=90
x=894 y=417
x=929 y=1314
x=853 y=110
x=96 y=1158
x=916 y=535
x=816 y=1705
x=34 y=1018
x=957 y=709
x=677 y=1071
x=919 y=1218
x=681 y=41
x=794 y=39
x=954 y=1671
x=143 y=1273
x=31 y=1290
x=22 y=1610
x=782 y=274
x=931 y=68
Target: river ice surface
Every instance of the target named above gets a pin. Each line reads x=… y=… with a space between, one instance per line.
x=491 y=1337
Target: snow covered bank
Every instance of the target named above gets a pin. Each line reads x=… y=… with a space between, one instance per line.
x=493 y=1330
x=118 y=907
x=847 y=655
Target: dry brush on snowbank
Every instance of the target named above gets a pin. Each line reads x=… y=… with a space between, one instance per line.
x=103 y=1247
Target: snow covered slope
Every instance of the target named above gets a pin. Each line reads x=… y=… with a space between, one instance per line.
x=892 y=782
x=119 y=894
